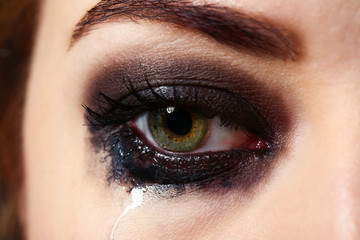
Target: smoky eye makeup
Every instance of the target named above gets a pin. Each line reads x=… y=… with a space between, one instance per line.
x=183 y=125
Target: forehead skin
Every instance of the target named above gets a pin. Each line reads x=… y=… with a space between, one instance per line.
x=314 y=194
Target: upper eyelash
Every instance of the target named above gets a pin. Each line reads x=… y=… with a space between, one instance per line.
x=102 y=119
x=105 y=116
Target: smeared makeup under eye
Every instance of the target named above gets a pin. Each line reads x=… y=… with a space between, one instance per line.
x=135 y=162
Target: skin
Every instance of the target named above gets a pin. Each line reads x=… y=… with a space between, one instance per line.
x=312 y=192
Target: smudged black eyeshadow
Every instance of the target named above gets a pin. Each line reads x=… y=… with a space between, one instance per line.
x=135 y=163
x=232 y=108
x=121 y=93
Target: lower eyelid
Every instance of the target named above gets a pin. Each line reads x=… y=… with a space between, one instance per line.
x=197 y=170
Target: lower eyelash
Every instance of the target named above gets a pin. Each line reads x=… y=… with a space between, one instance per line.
x=134 y=163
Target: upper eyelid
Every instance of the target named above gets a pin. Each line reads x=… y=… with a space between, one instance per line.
x=194 y=71
x=111 y=78
x=233 y=108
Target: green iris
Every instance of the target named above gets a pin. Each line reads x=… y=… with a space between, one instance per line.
x=177 y=129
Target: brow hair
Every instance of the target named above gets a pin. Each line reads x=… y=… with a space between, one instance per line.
x=225 y=25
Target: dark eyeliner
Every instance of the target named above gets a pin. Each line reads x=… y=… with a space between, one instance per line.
x=122 y=93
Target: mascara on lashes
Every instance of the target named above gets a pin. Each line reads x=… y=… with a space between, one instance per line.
x=195 y=75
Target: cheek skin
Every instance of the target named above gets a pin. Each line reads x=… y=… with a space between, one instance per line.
x=314 y=195
x=64 y=191
x=63 y=199
x=190 y=217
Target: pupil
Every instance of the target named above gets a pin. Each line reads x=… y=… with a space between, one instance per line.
x=179 y=121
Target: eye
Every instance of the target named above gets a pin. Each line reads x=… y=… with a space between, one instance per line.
x=180 y=130
x=182 y=136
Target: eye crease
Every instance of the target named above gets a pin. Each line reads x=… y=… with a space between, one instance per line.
x=162 y=132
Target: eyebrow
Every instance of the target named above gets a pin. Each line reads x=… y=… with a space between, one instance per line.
x=233 y=28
